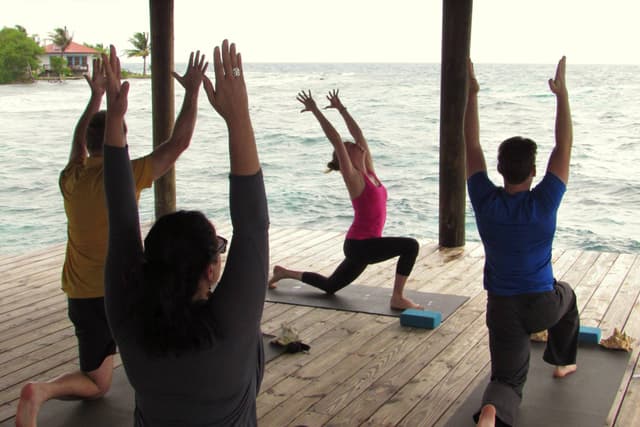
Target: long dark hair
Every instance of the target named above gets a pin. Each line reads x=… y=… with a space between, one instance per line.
x=178 y=250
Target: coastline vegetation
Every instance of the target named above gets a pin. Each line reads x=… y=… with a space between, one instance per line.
x=21 y=62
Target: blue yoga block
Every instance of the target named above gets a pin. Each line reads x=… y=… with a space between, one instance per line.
x=589 y=334
x=420 y=318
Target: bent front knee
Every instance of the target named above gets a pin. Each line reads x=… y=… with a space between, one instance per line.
x=414 y=247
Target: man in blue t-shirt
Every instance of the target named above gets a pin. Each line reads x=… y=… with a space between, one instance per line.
x=517 y=225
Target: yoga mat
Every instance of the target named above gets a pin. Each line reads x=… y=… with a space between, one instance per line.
x=359 y=298
x=583 y=399
x=113 y=410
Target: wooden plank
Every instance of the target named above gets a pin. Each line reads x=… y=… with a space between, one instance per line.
x=434 y=404
x=405 y=399
x=11 y=262
x=274 y=404
x=27 y=343
x=626 y=405
x=594 y=312
x=585 y=288
x=361 y=368
x=54 y=344
x=618 y=311
x=628 y=413
x=26 y=311
x=342 y=326
x=386 y=387
x=26 y=321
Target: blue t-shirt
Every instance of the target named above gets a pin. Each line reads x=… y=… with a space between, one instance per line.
x=517 y=232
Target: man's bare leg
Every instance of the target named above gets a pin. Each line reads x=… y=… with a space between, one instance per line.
x=398 y=300
x=280 y=273
x=75 y=385
x=487 y=416
x=562 y=371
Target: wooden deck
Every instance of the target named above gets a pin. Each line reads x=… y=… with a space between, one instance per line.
x=362 y=369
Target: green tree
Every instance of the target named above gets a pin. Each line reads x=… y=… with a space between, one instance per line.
x=99 y=47
x=18 y=55
x=62 y=39
x=141 y=48
x=59 y=66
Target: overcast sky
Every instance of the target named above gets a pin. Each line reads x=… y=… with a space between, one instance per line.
x=504 y=31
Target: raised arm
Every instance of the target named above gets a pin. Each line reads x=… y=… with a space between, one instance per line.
x=97 y=83
x=475 y=156
x=166 y=154
x=125 y=246
x=238 y=299
x=561 y=153
x=346 y=167
x=352 y=126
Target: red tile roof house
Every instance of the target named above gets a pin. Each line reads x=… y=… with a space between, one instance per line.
x=78 y=57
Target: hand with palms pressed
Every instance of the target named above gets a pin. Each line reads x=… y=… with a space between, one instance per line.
x=117 y=92
x=307 y=101
x=195 y=73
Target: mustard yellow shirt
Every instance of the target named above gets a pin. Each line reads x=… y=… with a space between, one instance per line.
x=82 y=188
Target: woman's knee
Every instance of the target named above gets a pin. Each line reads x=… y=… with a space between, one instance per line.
x=414 y=247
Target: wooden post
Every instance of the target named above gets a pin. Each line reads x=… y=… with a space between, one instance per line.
x=456 y=35
x=162 y=96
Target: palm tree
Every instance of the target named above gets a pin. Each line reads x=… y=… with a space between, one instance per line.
x=142 y=48
x=99 y=47
x=62 y=39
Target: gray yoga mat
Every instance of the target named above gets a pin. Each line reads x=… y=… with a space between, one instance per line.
x=583 y=399
x=359 y=298
x=115 y=409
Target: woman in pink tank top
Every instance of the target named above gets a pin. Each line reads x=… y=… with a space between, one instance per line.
x=364 y=243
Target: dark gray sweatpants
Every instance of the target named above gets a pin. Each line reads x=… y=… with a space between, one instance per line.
x=511 y=320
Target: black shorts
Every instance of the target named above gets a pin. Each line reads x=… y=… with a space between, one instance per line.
x=95 y=342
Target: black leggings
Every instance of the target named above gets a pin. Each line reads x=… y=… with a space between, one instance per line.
x=360 y=253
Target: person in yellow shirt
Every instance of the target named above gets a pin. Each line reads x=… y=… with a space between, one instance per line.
x=81 y=184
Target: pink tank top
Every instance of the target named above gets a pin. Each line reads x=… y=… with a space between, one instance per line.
x=370 y=211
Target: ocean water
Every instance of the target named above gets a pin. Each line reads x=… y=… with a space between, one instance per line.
x=396 y=105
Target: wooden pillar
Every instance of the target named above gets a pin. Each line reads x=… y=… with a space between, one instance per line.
x=162 y=96
x=456 y=35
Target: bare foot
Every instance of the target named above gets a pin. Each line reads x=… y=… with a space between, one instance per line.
x=30 y=401
x=402 y=303
x=278 y=274
x=563 y=371
x=487 y=416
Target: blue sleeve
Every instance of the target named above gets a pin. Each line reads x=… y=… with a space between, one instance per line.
x=238 y=300
x=479 y=187
x=549 y=192
x=125 y=246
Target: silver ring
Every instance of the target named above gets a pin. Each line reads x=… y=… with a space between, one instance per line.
x=235 y=71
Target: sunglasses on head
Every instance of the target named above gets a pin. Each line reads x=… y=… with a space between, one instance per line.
x=222 y=245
